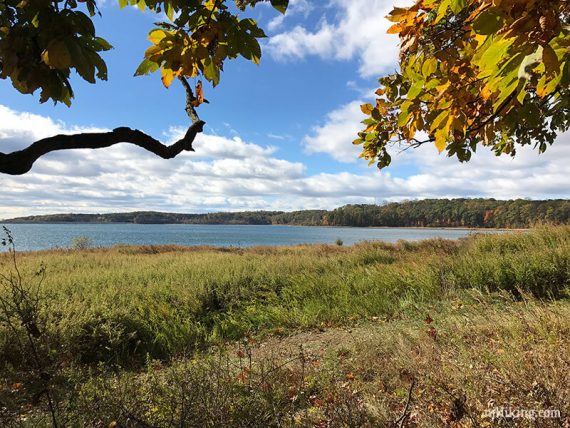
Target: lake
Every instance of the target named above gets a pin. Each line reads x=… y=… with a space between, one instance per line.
x=45 y=236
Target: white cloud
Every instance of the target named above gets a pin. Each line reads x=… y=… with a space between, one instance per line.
x=358 y=31
x=228 y=174
x=336 y=135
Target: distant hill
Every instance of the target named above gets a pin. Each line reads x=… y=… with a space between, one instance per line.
x=489 y=213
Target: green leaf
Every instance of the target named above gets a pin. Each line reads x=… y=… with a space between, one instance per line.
x=457 y=6
x=442 y=10
x=488 y=22
x=493 y=55
x=103 y=44
x=416 y=89
x=429 y=67
x=211 y=72
x=146 y=67
x=280 y=5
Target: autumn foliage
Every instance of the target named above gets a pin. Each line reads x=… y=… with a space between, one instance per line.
x=491 y=72
x=42 y=43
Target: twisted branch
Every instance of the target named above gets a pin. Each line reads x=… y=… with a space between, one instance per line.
x=20 y=162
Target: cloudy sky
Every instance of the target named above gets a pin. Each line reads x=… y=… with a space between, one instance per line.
x=278 y=135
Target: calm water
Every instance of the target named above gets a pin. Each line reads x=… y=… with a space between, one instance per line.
x=45 y=236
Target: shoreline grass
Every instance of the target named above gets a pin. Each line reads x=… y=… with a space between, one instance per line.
x=113 y=313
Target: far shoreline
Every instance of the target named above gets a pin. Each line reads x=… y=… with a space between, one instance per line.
x=4 y=222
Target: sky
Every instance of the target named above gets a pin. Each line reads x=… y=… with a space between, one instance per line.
x=278 y=135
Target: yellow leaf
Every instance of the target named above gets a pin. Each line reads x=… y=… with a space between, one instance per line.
x=367 y=109
x=167 y=76
x=399 y=14
x=210 y=4
x=56 y=55
x=156 y=36
x=440 y=140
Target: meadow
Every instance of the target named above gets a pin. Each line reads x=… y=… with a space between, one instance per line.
x=433 y=333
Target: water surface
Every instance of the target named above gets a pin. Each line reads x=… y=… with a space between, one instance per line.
x=45 y=236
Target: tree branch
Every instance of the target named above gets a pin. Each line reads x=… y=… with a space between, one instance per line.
x=20 y=162
x=190 y=98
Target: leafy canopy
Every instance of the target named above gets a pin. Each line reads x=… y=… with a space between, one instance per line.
x=473 y=72
x=42 y=41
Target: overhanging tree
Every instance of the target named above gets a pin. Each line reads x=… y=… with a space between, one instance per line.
x=473 y=72
x=42 y=42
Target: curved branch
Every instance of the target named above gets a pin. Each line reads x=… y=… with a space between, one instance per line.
x=20 y=162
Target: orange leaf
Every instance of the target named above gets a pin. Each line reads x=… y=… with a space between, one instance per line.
x=395 y=29
x=199 y=95
x=486 y=92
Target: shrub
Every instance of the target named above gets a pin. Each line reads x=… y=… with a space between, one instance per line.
x=81 y=243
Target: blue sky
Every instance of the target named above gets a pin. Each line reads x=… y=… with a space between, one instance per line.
x=278 y=135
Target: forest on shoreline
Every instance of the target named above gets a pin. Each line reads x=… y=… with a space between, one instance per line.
x=472 y=213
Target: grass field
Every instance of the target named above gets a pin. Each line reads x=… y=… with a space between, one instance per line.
x=299 y=336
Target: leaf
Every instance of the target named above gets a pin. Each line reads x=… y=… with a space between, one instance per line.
x=211 y=72
x=167 y=76
x=399 y=13
x=493 y=55
x=199 y=95
x=506 y=88
x=486 y=92
x=103 y=44
x=146 y=67
x=443 y=115
x=440 y=140
x=280 y=5
x=56 y=55
x=550 y=60
x=488 y=22
x=395 y=29
x=457 y=6
x=429 y=67
x=442 y=10
x=155 y=36
x=416 y=89
x=367 y=109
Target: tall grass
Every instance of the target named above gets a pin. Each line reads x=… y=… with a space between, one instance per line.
x=129 y=333
x=124 y=303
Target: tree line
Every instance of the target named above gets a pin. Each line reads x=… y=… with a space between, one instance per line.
x=480 y=213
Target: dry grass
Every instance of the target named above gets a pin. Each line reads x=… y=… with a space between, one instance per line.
x=328 y=335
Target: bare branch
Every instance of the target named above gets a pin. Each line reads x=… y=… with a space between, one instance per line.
x=190 y=98
x=20 y=162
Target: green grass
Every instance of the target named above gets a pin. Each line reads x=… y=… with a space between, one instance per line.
x=126 y=302
x=117 y=309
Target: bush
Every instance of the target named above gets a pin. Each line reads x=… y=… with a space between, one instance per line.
x=81 y=243
x=339 y=242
